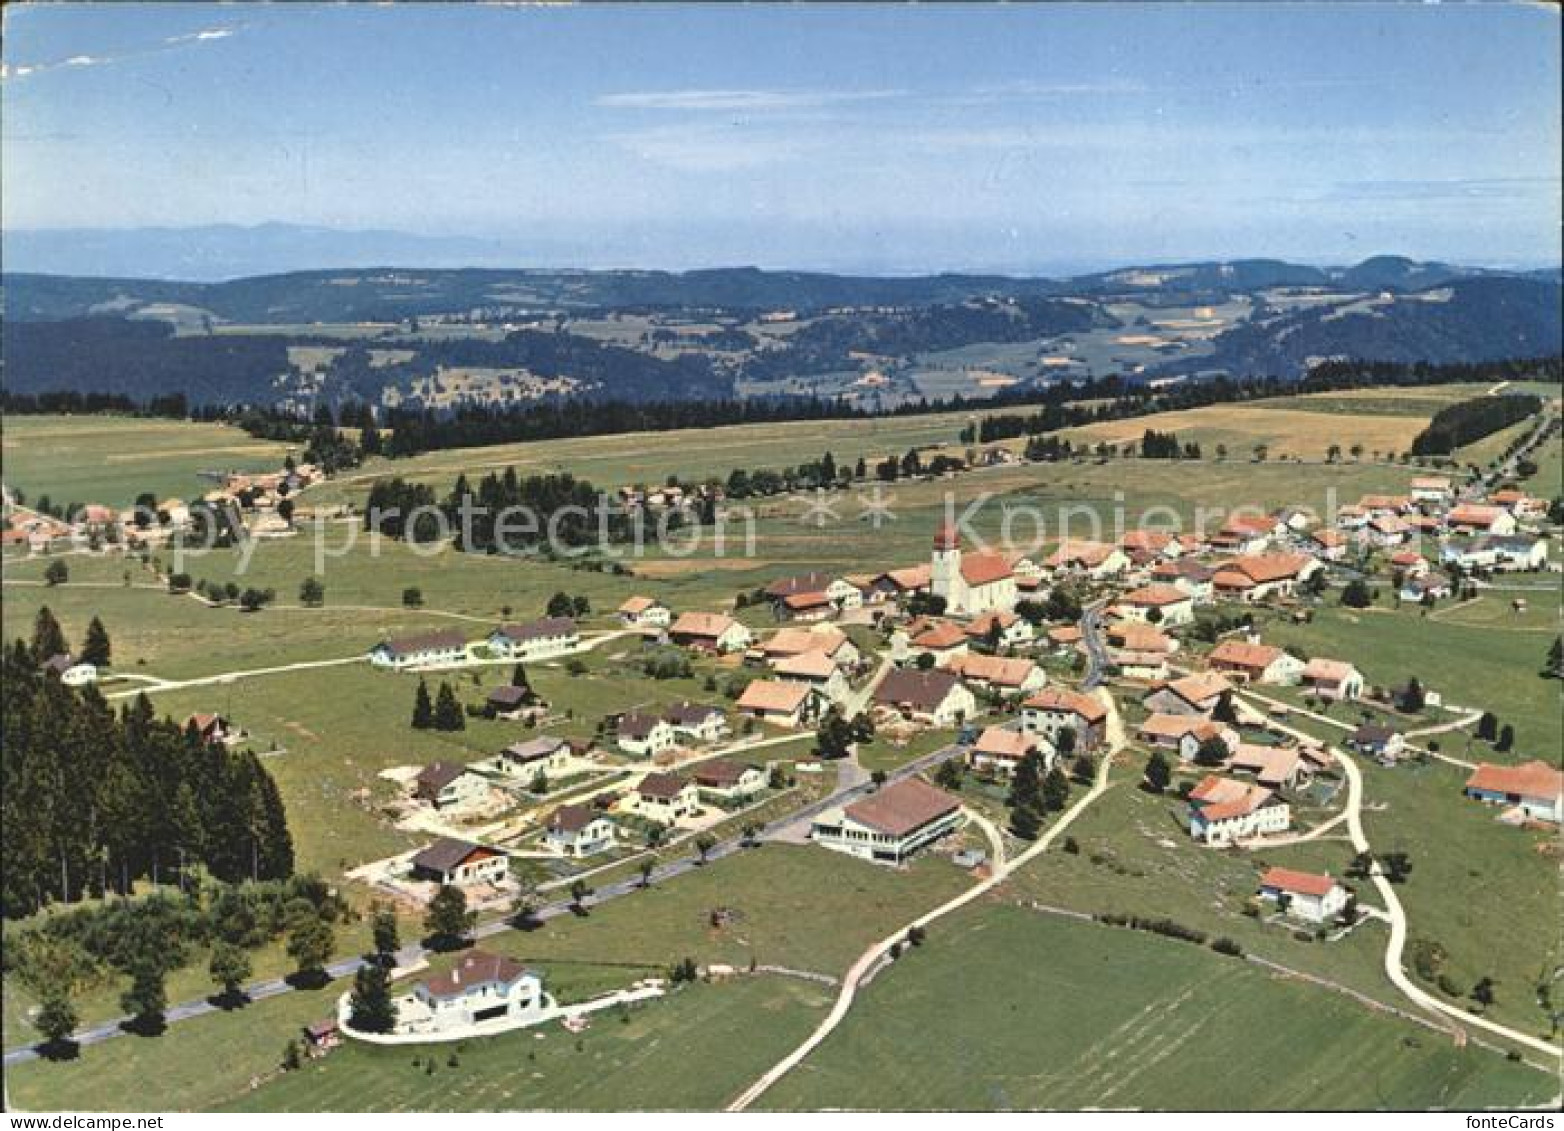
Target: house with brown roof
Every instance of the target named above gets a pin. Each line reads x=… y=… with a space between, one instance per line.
x=1055 y=709
x=1310 y=896
x=579 y=830
x=1245 y=661
x=1196 y=694
x=479 y=989
x=447 y=785
x=1535 y=788
x=710 y=632
x=644 y=734
x=817 y=670
x=665 y=798
x=460 y=863
x=445 y=646
x=1194 y=578
x=934 y=698
x=813 y=606
x=783 y=703
x=1222 y=810
x=698 y=722
x=1009 y=675
x=998 y=750
x=729 y=782
x=1332 y=679
x=535 y=640
x=891 y=824
x=544 y=753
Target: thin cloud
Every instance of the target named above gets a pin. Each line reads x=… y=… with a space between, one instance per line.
x=738 y=99
x=82 y=62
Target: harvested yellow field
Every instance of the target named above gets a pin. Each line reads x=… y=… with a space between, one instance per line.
x=1293 y=432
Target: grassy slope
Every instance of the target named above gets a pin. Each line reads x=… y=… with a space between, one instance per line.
x=1006 y=1009
x=102 y=459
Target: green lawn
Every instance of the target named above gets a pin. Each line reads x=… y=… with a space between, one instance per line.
x=110 y=460
x=1008 y=1009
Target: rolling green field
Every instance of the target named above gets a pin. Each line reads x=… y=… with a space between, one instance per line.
x=1006 y=1009
x=110 y=460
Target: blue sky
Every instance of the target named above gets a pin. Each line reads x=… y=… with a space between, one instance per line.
x=913 y=138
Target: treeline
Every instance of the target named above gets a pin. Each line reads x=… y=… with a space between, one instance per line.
x=1460 y=424
x=1165 y=445
x=565 y=510
x=174 y=406
x=95 y=800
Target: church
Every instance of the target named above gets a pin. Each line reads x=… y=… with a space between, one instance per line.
x=972 y=585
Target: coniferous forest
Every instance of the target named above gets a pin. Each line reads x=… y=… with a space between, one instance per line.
x=95 y=799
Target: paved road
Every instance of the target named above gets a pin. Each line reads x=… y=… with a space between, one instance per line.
x=1096 y=650
x=413 y=954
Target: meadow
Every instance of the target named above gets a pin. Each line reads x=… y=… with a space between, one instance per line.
x=110 y=460
x=1006 y=1009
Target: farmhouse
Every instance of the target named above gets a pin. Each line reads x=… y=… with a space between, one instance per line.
x=1247 y=662
x=445 y=646
x=726 y=781
x=1148 y=545
x=510 y=701
x=665 y=798
x=444 y=784
x=710 y=632
x=1158 y=604
x=999 y=750
x=1189 y=575
x=826 y=639
x=644 y=612
x=890 y=824
x=1007 y=675
x=1001 y=630
x=1222 y=810
x=1256 y=577
x=1091 y=559
x=936 y=698
x=1332 y=679
x=1309 y=896
x=1196 y=694
x=1185 y=734
x=1536 y=788
x=1434 y=489
x=535 y=640
x=817 y=670
x=456 y=862
x=1475 y=518
x=1056 y=709
x=579 y=830
x=1275 y=767
x=941 y=639
x=784 y=703
x=480 y=987
x=982 y=583
x=644 y=735
x=1516 y=552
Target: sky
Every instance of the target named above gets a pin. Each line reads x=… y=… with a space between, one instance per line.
x=1020 y=138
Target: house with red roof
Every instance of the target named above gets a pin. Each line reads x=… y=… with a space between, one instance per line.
x=1310 y=896
x=1222 y=810
x=1535 y=788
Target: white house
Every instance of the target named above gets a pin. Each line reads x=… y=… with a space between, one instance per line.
x=697 y=722
x=665 y=798
x=1222 y=810
x=645 y=612
x=545 y=753
x=999 y=750
x=1158 y=604
x=711 y=632
x=1005 y=629
x=1332 y=679
x=480 y=987
x=1309 y=896
x=1249 y=662
x=579 y=830
x=445 y=646
x=644 y=735
x=722 y=780
x=890 y=824
x=1055 y=709
x=457 y=862
x=535 y=640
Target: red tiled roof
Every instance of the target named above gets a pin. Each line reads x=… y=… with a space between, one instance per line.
x=1532 y=779
x=1303 y=883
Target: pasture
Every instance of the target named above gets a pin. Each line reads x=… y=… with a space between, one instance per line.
x=1005 y=1009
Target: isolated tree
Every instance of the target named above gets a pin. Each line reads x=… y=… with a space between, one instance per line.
x=371 y=1007
x=48 y=637
x=1158 y=773
x=310 y=940
x=1554 y=665
x=1211 y=752
x=579 y=890
x=412 y=597
x=1026 y=797
x=1506 y=739
x=1488 y=726
x=560 y=605
x=423 y=709
x=312 y=593
x=56 y=573
x=647 y=867
x=447 y=711
x=56 y=1019
x=1414 y=698
x=948 y=776
x=523 y=909
x=383 y=930
x=1056 y=790
x=1084 y=769
x=1356 y=595
x=1397 y=866
x=95 y=647
x=1224 y=711
x=1482 y=992
x=447 y=919
x=146 y=999
x=230 y=968
x=704 y=843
